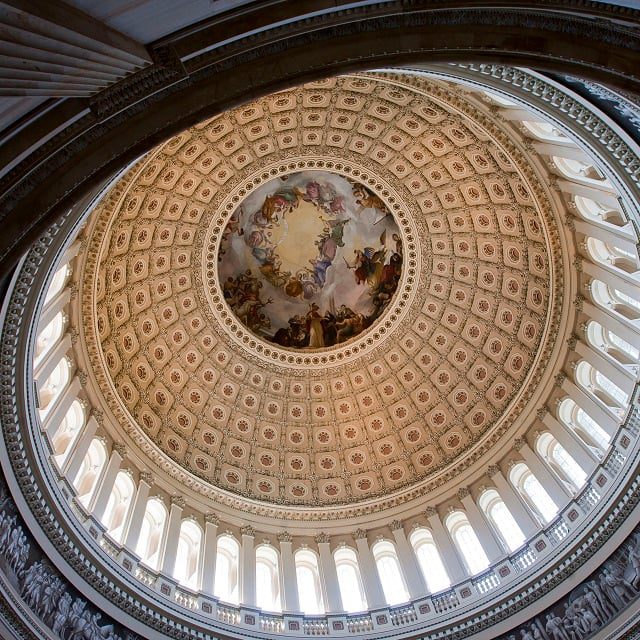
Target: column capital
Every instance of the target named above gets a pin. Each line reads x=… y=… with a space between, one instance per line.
x=430 y=512
x=395 y=525
x=247 y=530
x=493 y=469
x=284 y=536
x=120 y=449
x=148 y=477
x=542 y=412
x=463 y=492
x=323 y=537
x=178 y=501
x=560 y=378
x=211 y=518
x=359 y=534
x=518 y=443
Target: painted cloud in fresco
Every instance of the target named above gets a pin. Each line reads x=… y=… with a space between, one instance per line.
x=310 y=260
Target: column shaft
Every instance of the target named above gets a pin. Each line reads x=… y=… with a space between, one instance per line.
x=104 y=488
x=370 y=576
x=621 y=326
x=170 y=540
x=590 y=406
x=54 y=419
x=571 y=443
x=485 y=534
x=209 y=557
x=559 y=494
x=447 y=550
x=75 y=458
x=329 y=575
x=134 y=526
x=409 y=565
x=618 y=373
x=53 y=308
x=46 y=367
x=290 y=599
x=248 y=571
x=516 y=506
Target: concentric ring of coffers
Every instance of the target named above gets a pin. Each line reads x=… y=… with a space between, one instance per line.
x=425 y=391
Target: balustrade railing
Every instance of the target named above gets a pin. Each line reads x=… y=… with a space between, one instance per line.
x=486 y=581
x=359 y=624
x=523 y=559
x=316 y=627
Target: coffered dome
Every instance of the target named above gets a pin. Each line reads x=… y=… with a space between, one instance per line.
x=346 y=291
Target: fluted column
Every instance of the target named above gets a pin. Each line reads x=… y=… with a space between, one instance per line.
x=171 y=536
x=107 y=479
x=408 y=562
x=446 y=548
x=290 y=600
x=329 y=575
x=570 y=442
x=558 y=493
x=514 y=503
x=75 y=458
x=369 y=571
x=209 y=553
x=248 y=567
x=134 y=526
x=54 y=419
x=477 y=520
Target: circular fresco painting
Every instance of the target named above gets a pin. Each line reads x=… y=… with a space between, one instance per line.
x=310 y=260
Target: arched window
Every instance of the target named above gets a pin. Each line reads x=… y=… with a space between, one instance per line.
x=186 y=568
x=587 y=429
x=87 y=479
x=533 y=493
x=308 y=578
x=227 y=569
x=467 y=542
x=556 y=456
x=118 y=505
x=153 y=524
x=350 y=580
x=53 y=387
x=501 y=519
x=395 y=590
x=612 y=345
x=598 y=212
x=48 y=337
x=598 y=385
x=68 y=431
x=57 y=283
x=268 y=578
x=433 y=570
